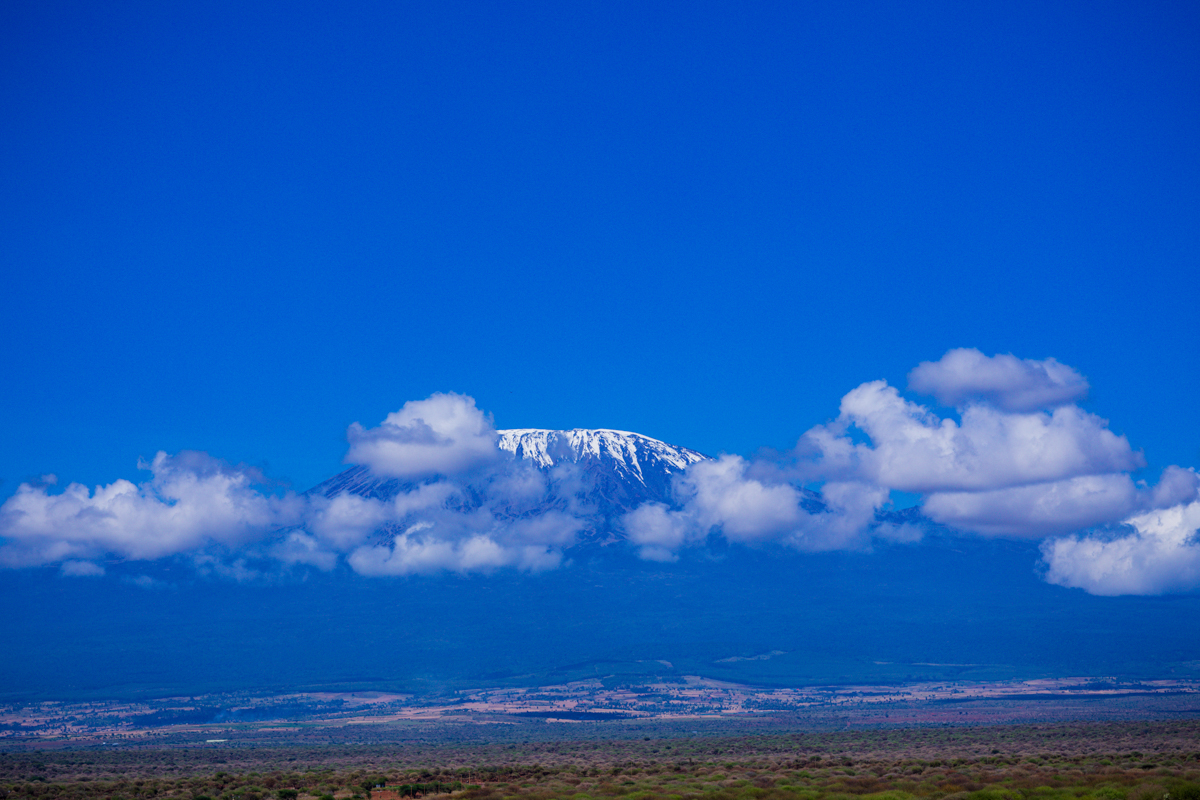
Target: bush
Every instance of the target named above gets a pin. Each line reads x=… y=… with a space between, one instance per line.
x=1147 y=791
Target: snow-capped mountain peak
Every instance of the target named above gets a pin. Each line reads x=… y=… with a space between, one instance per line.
x=602 y=474
x=631 y=455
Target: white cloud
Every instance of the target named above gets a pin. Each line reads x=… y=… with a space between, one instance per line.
x=1162 y=555
x=1037 y=510
x=300 y=548
x=1058 y=507
x=658 y=532
x=82 y=569
x=848 y=521
x=914 y=450
x=547 y=529
x=1005 y=467
x=420 y=549
x=482 y=510
x=505 y=515
x=720 y=497
x=345 y=520
x=521 y=522
x=1177 y=486
x=998 y=473
x=442 y=435
x=1009 y=383
x=191 y=501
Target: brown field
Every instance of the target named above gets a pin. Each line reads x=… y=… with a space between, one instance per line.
x=640 y=760
x=373 y=716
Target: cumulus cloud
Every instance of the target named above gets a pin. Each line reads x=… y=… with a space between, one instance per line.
x=191 y=500
x=1037 y=510
x=997 y=472
x=346 y=520
x=1007 y=382
x=444 y=434
x=1160 y=555
x=721 y=497
x=1058 y=507
x=506 y=515
x=424 y=533
x=914 y=450
x=1017 y=459
x=299 y=548
x=658 y=532
x=1177 y=486
x=468 y=507
x=476 y=542
x=1020 y=460
x=465 y=506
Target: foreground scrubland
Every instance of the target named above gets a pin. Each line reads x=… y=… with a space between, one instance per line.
x=1107 y=761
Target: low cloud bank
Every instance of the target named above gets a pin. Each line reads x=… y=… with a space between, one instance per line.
x=466 y=507
x=722 y=497
x=478 y=508
x=1159 y=553
x=1021 y=460
x=192 y=501
x=1016 y=457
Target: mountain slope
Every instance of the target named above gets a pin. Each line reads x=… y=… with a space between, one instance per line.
x=619 y=470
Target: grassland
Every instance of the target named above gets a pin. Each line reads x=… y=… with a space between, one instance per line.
x=1079 y=761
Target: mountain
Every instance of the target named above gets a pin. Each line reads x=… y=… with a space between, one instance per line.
x=620 y=470
x=607 y=470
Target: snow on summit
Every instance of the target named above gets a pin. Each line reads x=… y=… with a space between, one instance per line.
x=590 y=479
x=630 y=455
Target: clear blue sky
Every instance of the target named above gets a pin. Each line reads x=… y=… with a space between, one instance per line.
x=239 y=227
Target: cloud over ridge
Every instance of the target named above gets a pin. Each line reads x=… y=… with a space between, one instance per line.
x=1017 y=459
x=443 y=434
x=1022 y=461
x=191 y=500
x=1161 y=554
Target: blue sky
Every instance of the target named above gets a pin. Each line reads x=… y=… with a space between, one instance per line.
x=239 y=229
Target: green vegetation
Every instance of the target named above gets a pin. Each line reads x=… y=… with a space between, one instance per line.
x=1106 y=761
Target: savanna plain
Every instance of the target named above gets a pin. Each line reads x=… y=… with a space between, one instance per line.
x=766 y=758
